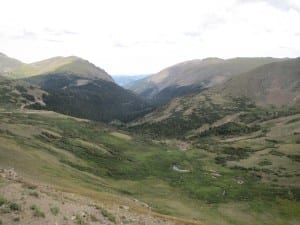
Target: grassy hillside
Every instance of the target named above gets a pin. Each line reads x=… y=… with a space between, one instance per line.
x=224 y=183
x=69 y=65
x=192 y=76
x=276 y=83
x=218 y=157
x=19 y=94
x=270 y=85
x=8 y=64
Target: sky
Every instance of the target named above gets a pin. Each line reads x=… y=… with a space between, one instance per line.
x=142 y=37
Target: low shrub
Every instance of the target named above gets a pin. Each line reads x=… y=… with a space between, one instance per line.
x=108 y=215
x=54 y=210
x=14 y=206
x=37 y=212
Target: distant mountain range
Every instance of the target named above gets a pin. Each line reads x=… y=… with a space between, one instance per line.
x=76 y=87
x=193 y=76
x=124 y=80
x=8 y=64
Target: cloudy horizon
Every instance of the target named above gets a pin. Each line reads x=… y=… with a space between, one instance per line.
x=143 y=37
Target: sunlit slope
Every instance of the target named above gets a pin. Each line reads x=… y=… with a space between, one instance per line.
x=69 y=65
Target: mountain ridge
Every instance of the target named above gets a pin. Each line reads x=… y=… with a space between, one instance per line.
x=69 y=64
x=8 y=64
x=268 y=84
x=194 y=75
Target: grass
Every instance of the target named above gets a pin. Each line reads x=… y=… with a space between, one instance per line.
x=108 y=215
x=2 y=200
x=86 y=158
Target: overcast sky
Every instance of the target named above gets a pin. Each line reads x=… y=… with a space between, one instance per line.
x=142 y=37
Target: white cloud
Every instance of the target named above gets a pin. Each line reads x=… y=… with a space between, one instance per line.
x=139 y=36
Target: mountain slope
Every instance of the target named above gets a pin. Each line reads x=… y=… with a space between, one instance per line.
x=241 y=161
x=193 y=76
x=19 y=94
x=95 y=99
x=276 y=83
x=90 y=158
x=272 y=84
x=69 y=65
x=76 y=87
x=78 y=156
x=113 y=167
x=8 y=64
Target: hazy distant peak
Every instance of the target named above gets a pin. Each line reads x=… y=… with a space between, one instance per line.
x=212 y=60
x=8 y=64
x=199 y=62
